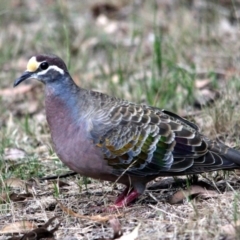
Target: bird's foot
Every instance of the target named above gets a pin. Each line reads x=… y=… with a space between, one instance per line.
x=121 y=197
x=125 y=198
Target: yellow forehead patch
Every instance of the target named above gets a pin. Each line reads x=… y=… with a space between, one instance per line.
x=32 y=65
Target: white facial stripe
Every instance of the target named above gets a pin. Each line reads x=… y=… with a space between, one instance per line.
x=51 y=67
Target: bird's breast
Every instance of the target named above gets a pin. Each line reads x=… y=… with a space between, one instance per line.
x=72 y=141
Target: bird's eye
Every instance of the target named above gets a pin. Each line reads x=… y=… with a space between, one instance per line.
x=44 y=65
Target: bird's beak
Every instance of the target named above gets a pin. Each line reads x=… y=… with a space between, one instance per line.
x=26 y=75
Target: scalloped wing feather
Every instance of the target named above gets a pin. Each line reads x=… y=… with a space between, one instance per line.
x=141 y=140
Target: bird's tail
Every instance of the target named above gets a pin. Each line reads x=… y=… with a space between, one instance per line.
x=230 y=156
x=218 y=157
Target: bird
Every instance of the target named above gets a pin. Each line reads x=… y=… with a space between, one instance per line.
x=107 y=138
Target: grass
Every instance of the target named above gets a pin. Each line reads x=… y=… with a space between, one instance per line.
x=153 y=54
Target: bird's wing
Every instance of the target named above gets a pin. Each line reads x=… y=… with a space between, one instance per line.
x=142 y=140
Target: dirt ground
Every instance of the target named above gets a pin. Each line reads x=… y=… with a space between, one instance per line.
x=182 y=56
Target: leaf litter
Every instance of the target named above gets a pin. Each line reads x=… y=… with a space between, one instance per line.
x=158 y=218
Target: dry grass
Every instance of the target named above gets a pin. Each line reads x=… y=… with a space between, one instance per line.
x=154 y=52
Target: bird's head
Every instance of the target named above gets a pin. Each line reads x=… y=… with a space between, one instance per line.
x=45 y=68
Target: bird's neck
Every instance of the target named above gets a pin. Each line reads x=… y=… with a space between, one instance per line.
x=65 y=114
x=63 y=99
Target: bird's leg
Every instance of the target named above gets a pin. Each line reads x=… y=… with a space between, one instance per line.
x=126 y=197
x=122 y=195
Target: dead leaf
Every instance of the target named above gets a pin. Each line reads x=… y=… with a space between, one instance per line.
x=202 y=83
x=192 y=192
x=107 y=25
x=237 y=172
x=232 y=230
x=3 y=198
x=30 y=107
x=20 y=197
x=97 y=218
x=205 y=97
x=14 y=197
x=131 y=236
x=209 y=94
x=15 y=183
x=22 y=89
x=206 y=122
x=13 y=154
x=18 y=227
x=39 y=232
x=117 y=231
x=107 y=9
x=116 y=226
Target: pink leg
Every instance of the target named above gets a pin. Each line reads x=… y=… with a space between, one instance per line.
x=126 y=198
x=122 y=195
x=123 y=200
